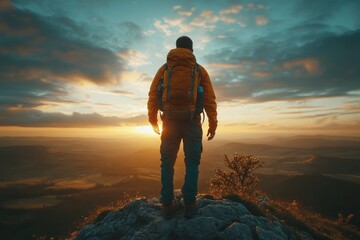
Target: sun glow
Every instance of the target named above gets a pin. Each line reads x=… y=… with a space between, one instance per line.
x=145 y=130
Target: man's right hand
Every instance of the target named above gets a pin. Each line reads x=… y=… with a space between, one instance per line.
x=156 y=128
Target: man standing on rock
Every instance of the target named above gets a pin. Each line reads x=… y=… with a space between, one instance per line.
x=181 y=89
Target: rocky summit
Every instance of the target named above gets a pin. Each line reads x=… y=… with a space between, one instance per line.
x=215 y=219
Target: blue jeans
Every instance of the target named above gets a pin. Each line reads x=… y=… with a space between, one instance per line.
x=173 y=132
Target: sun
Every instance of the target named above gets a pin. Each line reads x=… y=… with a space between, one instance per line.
x=145 y=130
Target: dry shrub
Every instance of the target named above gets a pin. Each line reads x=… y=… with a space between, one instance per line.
x=238 y=178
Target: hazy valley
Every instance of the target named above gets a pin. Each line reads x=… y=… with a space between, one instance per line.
x=48 y=185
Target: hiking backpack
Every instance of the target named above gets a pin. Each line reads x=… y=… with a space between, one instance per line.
x=180 y=93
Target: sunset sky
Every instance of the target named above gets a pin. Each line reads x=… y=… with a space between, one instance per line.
x=84 y=67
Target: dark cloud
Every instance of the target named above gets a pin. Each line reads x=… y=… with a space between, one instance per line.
x=268 y=69
x=32 y=93
x=26 y=117
x=93 y=27
x=60 y=7
x=317 y=10
x=35 y=47
x=131 y=32
x=119 y=37
x=41 y=57
x=323 y=9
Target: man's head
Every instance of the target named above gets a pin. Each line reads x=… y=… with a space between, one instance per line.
x=184 y=42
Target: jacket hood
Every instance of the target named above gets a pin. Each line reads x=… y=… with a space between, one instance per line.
x=181 y=57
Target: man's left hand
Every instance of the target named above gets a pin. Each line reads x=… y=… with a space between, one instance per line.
x=156 y=128
x=210 y=134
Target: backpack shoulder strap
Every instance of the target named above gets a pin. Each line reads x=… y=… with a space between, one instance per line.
x=162 y=78
x=161 y=89
x=197 y=69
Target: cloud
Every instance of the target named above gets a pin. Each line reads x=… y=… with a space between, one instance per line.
x=26 y=117
x=36 y=47
x=255 y=6
x=322 y=9
x=234 y=9
x=186 y=13
x=42 y=57
x=130 y=32
x=208 y=19
x=189 y=20
x=351 y=105
x=261 y=20
x=134 y=58
x=165 y=28
x=122 y=92
x=136 y=76
x=33 y=93
x=275 y=69
x=325 y=119
x=172 y=26
x=178 y=23
x=310 y=65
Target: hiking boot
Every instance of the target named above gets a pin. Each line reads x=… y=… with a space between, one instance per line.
x=167 y=210
x=190 y=210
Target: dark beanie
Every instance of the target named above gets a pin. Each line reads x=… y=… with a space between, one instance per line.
x=184 y=42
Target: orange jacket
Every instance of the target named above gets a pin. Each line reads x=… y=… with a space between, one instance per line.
x=182 y=57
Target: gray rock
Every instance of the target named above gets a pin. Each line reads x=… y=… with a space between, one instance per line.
x=198 y=228
x=269 y=235
x=216 y=219
x=236 y=231
x=160 y=228
x=228 y=211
